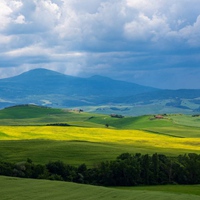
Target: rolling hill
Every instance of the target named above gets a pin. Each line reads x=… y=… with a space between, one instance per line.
x=24 y=129
x=16 y=188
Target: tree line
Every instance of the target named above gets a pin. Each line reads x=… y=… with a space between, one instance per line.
x=125 y=170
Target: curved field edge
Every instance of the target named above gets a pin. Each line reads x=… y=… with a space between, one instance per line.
x=75 y=145
x=73 y=152
x=16 y=188
x=99 y=135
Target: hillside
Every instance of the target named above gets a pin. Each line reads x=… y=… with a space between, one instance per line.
x=30 y=114
x=88 y=136
x=176 y=124
x=16 y=188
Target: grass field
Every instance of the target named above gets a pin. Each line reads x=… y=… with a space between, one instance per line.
x=24 y=134
x=186 y=120
x=77 y=145
x=173 y=125
x=23 y=189
x=176 y=189
x=23 y=130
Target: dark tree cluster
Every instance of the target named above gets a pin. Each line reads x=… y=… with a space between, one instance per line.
x=58 y=124
x=126 y=170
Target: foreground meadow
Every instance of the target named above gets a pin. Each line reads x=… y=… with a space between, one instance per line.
x=23 y=189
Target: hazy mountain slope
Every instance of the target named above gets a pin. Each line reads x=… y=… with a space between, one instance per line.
x=42 y=81
x=46 y=87
x=46 y=84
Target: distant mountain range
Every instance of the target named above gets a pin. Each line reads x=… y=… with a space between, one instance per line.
x=50 y=88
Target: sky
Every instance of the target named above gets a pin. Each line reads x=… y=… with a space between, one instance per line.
x=149 y=42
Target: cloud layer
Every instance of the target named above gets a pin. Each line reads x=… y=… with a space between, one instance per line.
x=143 y=41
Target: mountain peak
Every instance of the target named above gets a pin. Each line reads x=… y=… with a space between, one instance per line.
x=42 y=71
x=43 y=86
x=38 y=74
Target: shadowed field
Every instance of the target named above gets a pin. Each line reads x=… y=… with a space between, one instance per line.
x=23 y=189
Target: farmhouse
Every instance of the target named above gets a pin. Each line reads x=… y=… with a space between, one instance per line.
x=158 y=116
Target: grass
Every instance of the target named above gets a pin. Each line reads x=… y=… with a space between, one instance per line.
x=87 y=140
x=166 y=126
x=186 y=120
x=73 y=152
x=77 y=145
x=99 y=135
x=23 y=135
x=36 y=115
x=177 y=125
x=176 y=189
x=23 y=189
x=30 y=111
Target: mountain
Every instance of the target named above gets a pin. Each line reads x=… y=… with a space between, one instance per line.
x=43 y=81
x=42 y=85
x=95 y=94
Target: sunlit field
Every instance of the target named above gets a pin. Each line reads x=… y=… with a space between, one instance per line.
x=99 y=135
x=24 y=134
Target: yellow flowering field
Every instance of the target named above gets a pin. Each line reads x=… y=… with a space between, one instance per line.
x=100 y=135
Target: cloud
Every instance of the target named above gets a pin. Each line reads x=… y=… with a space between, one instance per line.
x=147 y=29
x=191 y=33
x=108 y=37
x=5 y=11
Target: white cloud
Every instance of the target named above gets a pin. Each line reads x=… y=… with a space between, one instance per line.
x=192 y=33
x=5 y=11
x=14 y=4
x=20 y=19
x=144 y=6
x=34 y=50
x=145 y=29
x=100 y=23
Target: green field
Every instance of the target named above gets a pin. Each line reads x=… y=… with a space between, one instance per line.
x=87 y=140
x=24 y=134
x=74 y=152
x=23 y=189
x=178 y=189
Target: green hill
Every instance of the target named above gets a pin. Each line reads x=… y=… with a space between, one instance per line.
x=173 y=125
x=81 y=150
x=28 y=111
x=39 y=115
x=23 y=189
